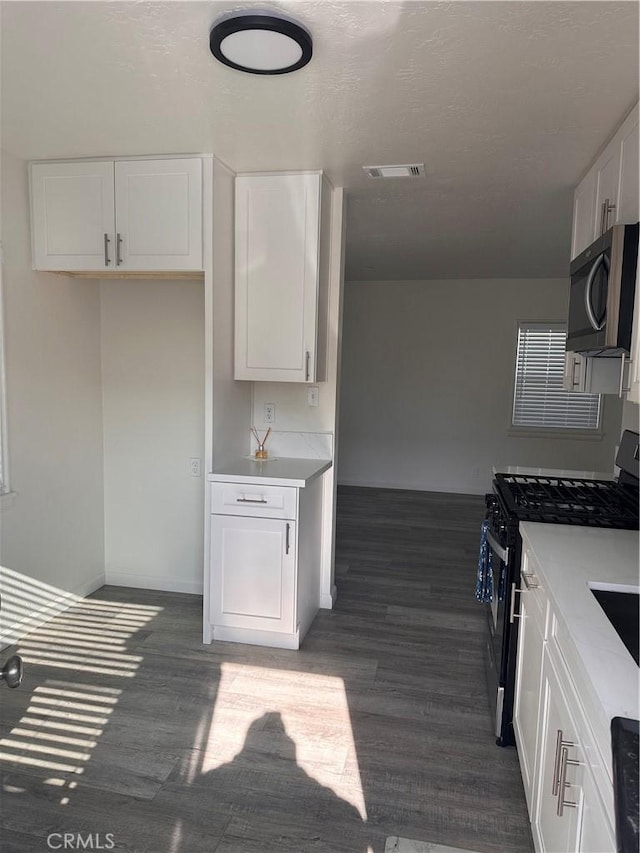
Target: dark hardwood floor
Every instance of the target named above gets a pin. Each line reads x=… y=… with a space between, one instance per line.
x=129 y=731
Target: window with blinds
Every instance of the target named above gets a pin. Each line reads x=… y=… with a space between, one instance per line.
x=539 y=399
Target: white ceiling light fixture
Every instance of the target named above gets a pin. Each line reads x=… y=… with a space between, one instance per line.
x=265 y=43
x=405 y=170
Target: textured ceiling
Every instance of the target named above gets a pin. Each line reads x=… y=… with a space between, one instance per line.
x=506 y=104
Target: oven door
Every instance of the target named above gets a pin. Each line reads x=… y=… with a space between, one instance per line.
x=498 y=621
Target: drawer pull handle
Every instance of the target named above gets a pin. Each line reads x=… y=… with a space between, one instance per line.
x=251 y=501
x=530 y=580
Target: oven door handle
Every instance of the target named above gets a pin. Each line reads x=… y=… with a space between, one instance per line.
x=497 y=548
x=598 y=325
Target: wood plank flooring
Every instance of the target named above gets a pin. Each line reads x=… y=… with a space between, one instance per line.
x=129 y=731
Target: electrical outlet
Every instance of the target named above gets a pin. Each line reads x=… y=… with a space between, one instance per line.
x=195 y=466
x=313 y=394
x=269 y=413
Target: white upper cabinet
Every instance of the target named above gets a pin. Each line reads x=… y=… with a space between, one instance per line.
x=281 y=276
x=117 y=216
x=584 y=214
x=608 y=194
x=72 y=210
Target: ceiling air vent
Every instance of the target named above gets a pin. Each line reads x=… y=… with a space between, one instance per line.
x=406 y=170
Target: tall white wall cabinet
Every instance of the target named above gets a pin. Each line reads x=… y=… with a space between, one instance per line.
x=281 y=271
x=117 y=215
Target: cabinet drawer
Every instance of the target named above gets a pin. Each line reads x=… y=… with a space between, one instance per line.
x=254 y=500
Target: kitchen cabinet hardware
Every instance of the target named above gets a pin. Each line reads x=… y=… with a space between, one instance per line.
x=286 y=547
x=251 y=501
x=107 y=261
x=530 y=580
x=306 y=366
x=563 y=784
x=512 y=614
x=118 y=249
x=560 y=745
x=607 y=208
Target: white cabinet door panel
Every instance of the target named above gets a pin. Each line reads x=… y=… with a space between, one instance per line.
x=584 y=214
x=253 y=570
x=72 y=214
x=555 y=827
x=628 y=208
x=159 y=214
x=526 y=709
x=277 y=256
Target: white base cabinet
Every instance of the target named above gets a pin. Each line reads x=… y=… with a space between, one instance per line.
x=526 y=709
x=566 y=782
x=264 y=562
x=117 y=215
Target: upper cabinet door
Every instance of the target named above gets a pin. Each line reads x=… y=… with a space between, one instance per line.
x=72 y=215
x=628 y=207
x=277 y=276
x=607 y=184
x=584 y=214
x=158 y=214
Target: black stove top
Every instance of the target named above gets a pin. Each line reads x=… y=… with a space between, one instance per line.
x=562 y=500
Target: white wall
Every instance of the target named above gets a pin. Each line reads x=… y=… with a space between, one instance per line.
x=427 y=378
x=153 y=391
x=52 y=527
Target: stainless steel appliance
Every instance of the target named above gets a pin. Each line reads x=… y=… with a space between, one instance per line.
x=554 y=500
x=603 y=284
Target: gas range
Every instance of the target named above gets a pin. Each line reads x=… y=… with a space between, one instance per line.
x=564 y=500
x=549 y=499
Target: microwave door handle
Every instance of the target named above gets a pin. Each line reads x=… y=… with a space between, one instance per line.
x=601 y=259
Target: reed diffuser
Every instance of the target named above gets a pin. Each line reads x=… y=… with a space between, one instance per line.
x=260 y=452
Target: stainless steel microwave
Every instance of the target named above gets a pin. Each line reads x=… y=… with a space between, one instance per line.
x=603 y=286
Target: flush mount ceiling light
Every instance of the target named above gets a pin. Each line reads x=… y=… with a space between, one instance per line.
x=260 y=44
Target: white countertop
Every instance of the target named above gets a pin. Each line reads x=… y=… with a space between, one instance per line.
x=569 y=559
x=281 y=471
x=522 y=470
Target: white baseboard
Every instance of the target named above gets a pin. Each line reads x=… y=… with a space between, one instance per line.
x=150 y=582
x=273 y=639
x=56 y=603
x=328 y=600
x=414 y=487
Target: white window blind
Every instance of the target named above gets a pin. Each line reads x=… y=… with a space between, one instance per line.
x=539 y=399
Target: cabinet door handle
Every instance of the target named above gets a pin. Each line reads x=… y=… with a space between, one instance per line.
x=118 y=248
x=560 y=745
x=251 y=501
x=306 y=366
x=286 y=544
x=605 y=210
x=107 y=260
x=622 y=390
x=530 y=580
x=573 y=372
x=512 y=614
x=563 y=784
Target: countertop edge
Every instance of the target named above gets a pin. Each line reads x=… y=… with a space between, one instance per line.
x=269 y=473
